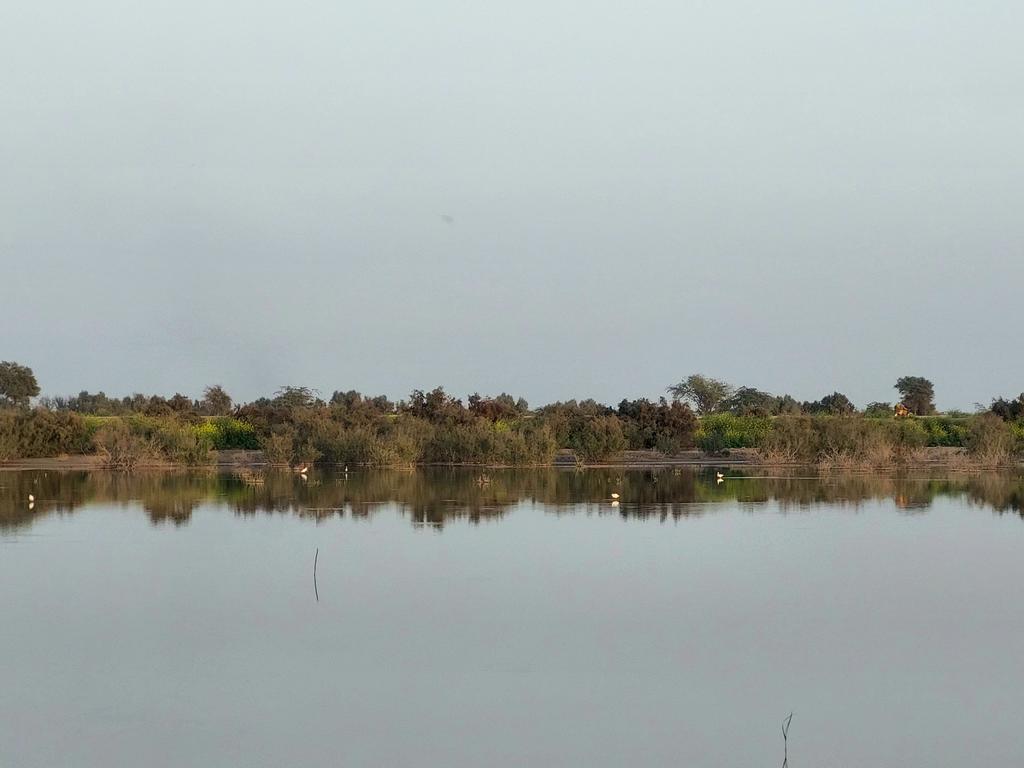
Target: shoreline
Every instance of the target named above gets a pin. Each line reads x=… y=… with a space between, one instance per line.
x=951 y=459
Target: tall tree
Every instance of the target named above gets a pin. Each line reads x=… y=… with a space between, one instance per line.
x=918 y=394
x=706 y=394
x=786 y=405
x=17 y=384
x=216 y=402
x=296 y=397
x=1008 y=410
x=748 y=401
x=836 y=404
x=878 y=410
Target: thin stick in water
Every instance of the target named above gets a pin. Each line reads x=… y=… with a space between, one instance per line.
x=315 y=590
x=785 y=740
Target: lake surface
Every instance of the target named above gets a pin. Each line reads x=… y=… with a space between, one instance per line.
x=510 y=618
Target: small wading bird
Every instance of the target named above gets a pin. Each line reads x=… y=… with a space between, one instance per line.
x=424 y=522
x=615 y=495
x=31 y=498
x=719 y=477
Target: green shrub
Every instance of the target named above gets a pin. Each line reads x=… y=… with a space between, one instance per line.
x=945 y=430
x=183 y=444
x=721 y=431
x=527 y=445
x=461 y=444
x=666 y=427
x=991 y=440
x=226 y=433
x=843 y=435
x=41 y=434
x=394 y=453
x=119 y=447
x=907 y=435
x=843 y=441
x=337 y=445
x=1017 y=428
x=541 y=445
x=793 y=438
x=8 y=435
x=278 y=448
x=401 y=438
x=596 y=438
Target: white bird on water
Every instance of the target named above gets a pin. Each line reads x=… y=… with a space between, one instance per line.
x=719 y=475
x=31 y=498
x=615 y=495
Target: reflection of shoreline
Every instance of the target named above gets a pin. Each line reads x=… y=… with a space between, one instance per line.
x=925 y=459
x=438 y=494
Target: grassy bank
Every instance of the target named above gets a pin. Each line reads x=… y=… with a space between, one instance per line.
x=857 y=441
x=122 y=442
x=362 y=435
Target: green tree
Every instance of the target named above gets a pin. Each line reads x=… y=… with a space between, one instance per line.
x=180 y=403
x=878 y=410
x=704 y=393
x=836 y=404
x=748 y=401
x=918 y=394
x=350 y=399
x=436 y=406
x=667 y=428
x=787 y=405
x=216 y=402
x=17 y=384
x=1008 y=410
x=296 y=397
x=493 y=408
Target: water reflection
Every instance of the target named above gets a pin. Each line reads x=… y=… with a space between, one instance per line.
x=431 y=496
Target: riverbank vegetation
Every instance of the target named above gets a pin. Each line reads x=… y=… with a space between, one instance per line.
x=298 y=426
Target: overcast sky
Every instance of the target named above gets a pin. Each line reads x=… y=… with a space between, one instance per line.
x=558 y=199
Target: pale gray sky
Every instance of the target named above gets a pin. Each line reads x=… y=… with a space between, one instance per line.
x=799 y=196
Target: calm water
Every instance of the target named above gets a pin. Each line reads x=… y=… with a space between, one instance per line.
x=171 y=620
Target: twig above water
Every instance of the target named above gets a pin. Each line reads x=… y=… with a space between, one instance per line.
x=315 y=590
x=785 y=740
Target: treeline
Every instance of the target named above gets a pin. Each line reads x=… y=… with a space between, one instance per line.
x=298 y=426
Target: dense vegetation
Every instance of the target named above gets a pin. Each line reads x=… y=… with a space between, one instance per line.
x=296 y=426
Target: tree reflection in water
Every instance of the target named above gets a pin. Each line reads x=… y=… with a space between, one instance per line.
x=432 y=496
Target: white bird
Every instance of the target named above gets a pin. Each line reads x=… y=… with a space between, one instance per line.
x=31 y=498
x=615 y=495
x=719 y=475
